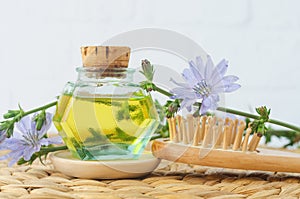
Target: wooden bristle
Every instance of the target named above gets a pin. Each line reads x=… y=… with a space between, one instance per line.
x=196 y=138
x=246 y=138
x=239 y=136
x=252 y=142
x=203 y=125
x=230 y=131
x=235 y=129
x=184 y=131
x=225 y=137
x=190 y=123
x=179 y=133
x=174 y=131
x=257 y=142
x=170 y=129
x=215 y=136
x=227 y=120
x=208 y=131
x=220 y=133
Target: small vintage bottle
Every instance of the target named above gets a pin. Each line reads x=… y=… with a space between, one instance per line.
x=104 y=115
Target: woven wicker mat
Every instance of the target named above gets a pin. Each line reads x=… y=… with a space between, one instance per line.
x=170 y=180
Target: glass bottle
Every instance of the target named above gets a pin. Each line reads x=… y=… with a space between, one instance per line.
x=104 y=115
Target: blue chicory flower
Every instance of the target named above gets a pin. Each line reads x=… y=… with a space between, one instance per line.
x=204 y=82
x=25 y=142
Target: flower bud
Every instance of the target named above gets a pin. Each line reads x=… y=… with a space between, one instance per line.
x=264 y=112
x=40 y=119
x=11 y=113
x=147 y=70
x=145 y=63
x=39 y=123
x=149 y=89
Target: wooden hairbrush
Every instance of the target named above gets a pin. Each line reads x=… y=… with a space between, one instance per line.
x=212 y=141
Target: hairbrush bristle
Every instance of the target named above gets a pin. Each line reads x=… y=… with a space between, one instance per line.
x=212 y=132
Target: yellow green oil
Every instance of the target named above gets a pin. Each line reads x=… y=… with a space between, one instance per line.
x=96 y=128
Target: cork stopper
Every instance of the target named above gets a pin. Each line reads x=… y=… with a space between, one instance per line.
x=106 y=57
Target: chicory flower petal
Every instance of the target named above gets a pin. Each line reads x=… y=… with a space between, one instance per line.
x=204 y=82
x=27 y=141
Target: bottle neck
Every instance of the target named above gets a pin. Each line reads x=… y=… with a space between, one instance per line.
x=96 y=74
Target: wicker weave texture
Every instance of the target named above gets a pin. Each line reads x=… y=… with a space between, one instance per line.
x=172 y=180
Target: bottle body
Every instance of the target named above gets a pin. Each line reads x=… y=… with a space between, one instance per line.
x=105 y=117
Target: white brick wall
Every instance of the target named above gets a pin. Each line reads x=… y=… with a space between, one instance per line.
x=40 y=43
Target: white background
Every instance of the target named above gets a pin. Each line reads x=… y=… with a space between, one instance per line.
x=40 y=41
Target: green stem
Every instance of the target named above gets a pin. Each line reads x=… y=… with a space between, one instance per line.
x=277 y=122
x=40 y=108
x=162 y=91
x=39 y=154
x=52 y=149
x=280 y=123
x=228 y=110
x=281 y=132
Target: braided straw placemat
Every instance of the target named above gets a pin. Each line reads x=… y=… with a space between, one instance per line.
x=170 y=180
